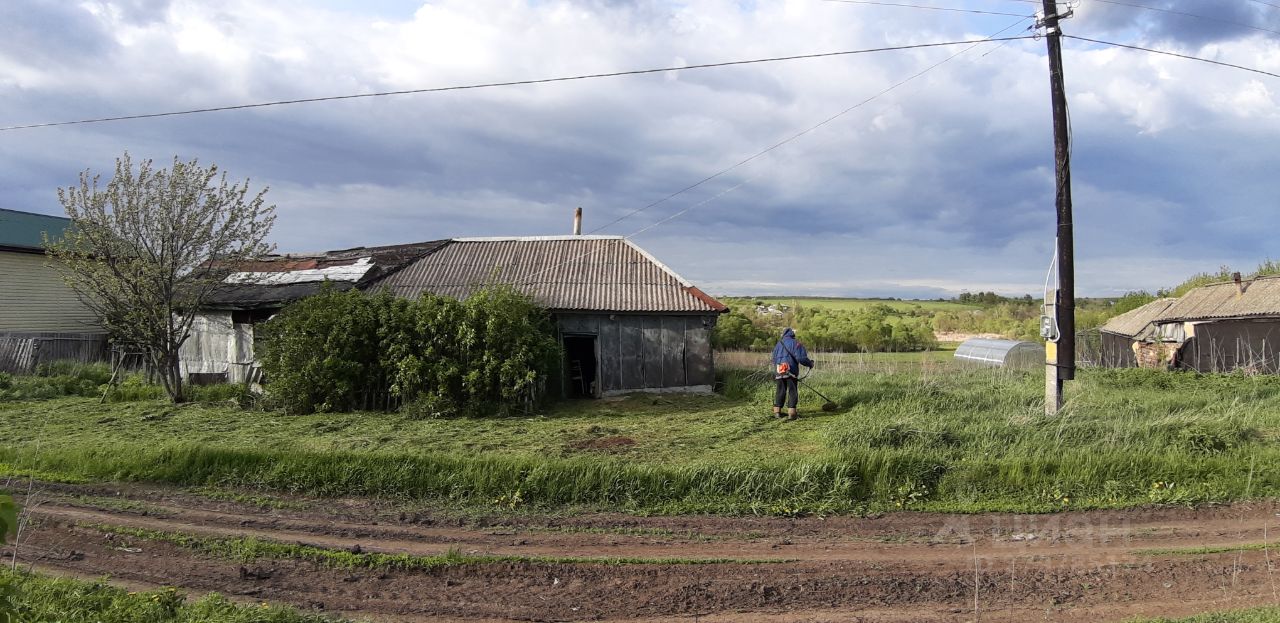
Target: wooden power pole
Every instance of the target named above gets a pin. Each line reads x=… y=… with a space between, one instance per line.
x=1060 y=350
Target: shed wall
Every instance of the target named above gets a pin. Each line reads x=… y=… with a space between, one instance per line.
x=36 y=300
x=1226 y=345
x=217 y=345
x=654 y=352
x=1117 y=351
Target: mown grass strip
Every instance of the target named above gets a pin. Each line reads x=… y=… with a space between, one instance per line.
x=1202 y=551
x=1268 y=614
x=249 y=549
x=35 y=597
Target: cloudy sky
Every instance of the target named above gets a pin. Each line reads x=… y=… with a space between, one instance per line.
x=944 y=183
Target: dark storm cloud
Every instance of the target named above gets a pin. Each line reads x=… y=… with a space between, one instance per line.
x=50 y=33
x=1192 y=23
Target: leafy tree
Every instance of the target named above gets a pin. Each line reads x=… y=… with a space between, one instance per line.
x=145 y=252
x=735 y=331
x=1131 y=301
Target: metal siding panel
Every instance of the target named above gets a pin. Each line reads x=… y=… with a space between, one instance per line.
x=610 y=341
x=697 y=352
x=631 y=345
x=36 y=299
x=651 y=333
x=673 y=352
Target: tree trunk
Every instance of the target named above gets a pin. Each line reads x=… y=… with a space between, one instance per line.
x=174 y=372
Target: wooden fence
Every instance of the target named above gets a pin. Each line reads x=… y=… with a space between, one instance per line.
x=22 y=352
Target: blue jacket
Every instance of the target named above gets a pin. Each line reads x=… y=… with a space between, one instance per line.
x=790 y=350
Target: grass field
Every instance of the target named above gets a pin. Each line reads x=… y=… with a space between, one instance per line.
x=923 y=437
x=41 y=598
x=736 y=302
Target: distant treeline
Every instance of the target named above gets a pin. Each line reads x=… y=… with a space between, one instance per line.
x=874 y=328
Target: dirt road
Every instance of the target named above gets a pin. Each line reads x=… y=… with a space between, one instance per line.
x=1076 y=566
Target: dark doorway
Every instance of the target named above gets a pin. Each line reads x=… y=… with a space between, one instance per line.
x=580 y=365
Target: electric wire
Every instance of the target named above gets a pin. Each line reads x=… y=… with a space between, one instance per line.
x=797 y=135
x=1174 y=54
x=633 y=72
x=740 y=184
x=1187 y=14
x=931 y=8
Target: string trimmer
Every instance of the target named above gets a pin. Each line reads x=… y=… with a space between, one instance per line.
x=830 y=405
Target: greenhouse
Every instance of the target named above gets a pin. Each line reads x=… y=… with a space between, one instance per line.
x=1000 y=353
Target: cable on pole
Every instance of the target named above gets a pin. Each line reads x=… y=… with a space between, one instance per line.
x=931 y=8
x=1174 y=54
x=797 y=135
x=1187 y=14
x=486 y=85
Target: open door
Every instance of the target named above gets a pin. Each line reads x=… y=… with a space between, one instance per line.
x=581 y=366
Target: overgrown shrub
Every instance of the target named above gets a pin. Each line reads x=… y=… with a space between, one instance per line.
x=342 y=351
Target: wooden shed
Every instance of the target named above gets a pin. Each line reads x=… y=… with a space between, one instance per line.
x=1126 y=338
x=627 y=322
x=1226 y=326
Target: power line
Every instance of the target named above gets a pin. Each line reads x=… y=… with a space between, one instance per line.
x=931 y=8
x=1264 y=3
x=726 y=191
x=797 y=135
x=633 y=72
x=1174 y=54
x=1186 y=14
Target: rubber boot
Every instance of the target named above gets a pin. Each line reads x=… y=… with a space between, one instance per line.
x=792 y=415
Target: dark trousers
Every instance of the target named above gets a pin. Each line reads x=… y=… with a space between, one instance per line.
x=788 y=391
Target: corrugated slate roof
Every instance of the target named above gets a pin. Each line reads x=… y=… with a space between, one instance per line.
x=1261 y=298
x=25 y=229
x=1132 y=322
x=565 y=273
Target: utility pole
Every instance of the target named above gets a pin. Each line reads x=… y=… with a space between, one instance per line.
x=1060 y=350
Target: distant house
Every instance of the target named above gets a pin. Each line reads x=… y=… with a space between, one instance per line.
x=41 y=319
x=1129 y=337
x=626 y=321
x=1232 y=325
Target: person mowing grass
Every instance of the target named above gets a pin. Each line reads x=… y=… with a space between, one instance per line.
x=788 y=355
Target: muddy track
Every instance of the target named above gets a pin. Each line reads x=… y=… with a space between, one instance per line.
x=1077 y=566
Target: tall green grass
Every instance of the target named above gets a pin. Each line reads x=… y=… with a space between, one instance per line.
x=58 y=379
x=934 y=439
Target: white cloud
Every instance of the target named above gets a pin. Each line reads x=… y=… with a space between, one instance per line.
x=942 y=184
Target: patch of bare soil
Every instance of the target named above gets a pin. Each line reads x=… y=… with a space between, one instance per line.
x=1076 y=566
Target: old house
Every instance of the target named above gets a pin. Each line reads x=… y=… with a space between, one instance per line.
x=626 y=321
x=220 y=347
x=1221 y=327
x=1128 y=341
x=41 y=319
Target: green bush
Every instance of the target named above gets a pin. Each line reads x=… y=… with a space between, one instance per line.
x=343 y=351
